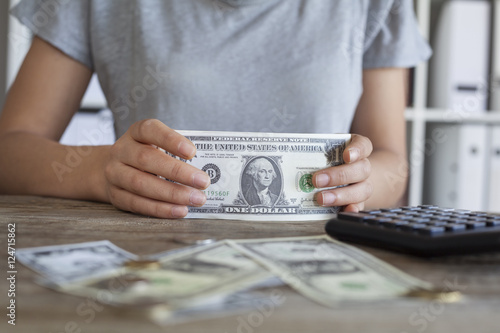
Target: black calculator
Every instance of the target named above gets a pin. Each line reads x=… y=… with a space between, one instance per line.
x=425 y=230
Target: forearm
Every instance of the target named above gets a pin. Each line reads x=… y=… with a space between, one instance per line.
x=32 y=164
x=388 y=177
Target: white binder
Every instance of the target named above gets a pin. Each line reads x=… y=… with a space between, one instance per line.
x=456 y=168
x=472 y=167
x=494 y=172
x=458 y=76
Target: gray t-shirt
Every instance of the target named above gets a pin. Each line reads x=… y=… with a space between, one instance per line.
x=238 y=65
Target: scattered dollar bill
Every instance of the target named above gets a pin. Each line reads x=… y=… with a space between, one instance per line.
x=74 y=262
x=240 y=302
x=264 y=176
x=179 y=280
x=328 y=271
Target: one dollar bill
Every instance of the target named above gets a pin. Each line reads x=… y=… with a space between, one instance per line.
x=180 y=280
x=264 y=176
x=328 y=271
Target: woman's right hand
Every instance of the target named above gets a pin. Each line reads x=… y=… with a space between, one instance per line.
x=130 y=172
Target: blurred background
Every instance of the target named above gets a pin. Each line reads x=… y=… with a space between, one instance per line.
x=453 y=112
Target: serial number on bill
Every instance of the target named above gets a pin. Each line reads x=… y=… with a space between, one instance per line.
x=216 y=193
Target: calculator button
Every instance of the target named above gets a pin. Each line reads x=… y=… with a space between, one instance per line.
x=409 y=208
x=373 y=212
x=455 y=227
x=395 y=223
x=445 y=210
x=417 y=226
x=446 y=214
x=430 y=230
x=390 y=215
x=461 y=217
x=493 y=223
x=475 y=225
x=478 y=213
x=392 y=210
x=441 y=218
x=404 y=217
x=410 y=213
x=378 y=220
x=420 y=220
x=461 y=211
x=428 y=206
x=437 y=223
x=478 y=219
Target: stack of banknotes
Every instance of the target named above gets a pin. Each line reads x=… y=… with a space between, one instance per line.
x=201 y=281
x=264 y=176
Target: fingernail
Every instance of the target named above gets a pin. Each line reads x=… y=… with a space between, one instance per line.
x=353 y=154
x=322 y=180
x=179 y=211
x=186 y=149
x=328 y=198
x=197 y=198
x=201 y=180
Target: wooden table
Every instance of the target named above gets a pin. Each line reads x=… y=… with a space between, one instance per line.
x=48 y=221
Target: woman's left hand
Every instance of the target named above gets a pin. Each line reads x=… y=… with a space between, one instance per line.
x=355 y=173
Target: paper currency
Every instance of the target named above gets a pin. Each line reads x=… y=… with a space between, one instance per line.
x=328 y=271
x=74 y=262
x=264 y=176
x=206 y=281
x=181 y=279
x=240 y=302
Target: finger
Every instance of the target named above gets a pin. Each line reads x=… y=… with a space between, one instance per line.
x=360 y=147
x=152 y=187
x=357 y=207
x=342 y=174
x=131 y=202
x=149 y=159
x=153 y=131
x=341 y=196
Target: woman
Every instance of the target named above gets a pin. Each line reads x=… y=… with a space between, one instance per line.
x=311 y=66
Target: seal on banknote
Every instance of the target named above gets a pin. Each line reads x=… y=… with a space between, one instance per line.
x=213 y=172
x=305 y=183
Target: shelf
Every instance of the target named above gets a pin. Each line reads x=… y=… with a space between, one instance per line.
x=450 y=116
